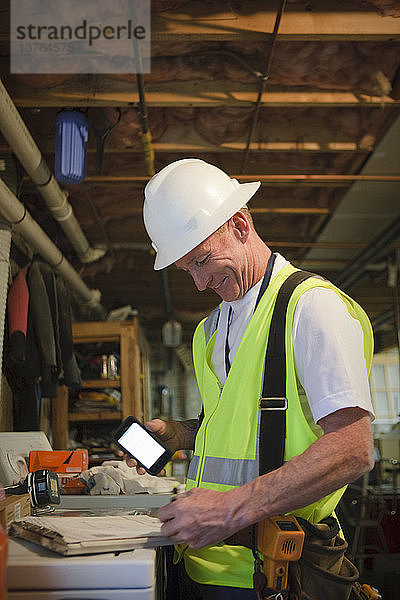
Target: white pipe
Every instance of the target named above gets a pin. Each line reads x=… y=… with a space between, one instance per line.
x=24 y=147
x=15 y=213
x=5 y=245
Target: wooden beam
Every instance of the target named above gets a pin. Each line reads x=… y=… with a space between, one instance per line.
x=304 y=244
x=101 y=90
x=59 y=415
x=301 y=21
x=265 y=210
x=199 y=146
x=309 y=135
x=306 y=135
x=132 y=247
x=291 y=210
x=274 y=181
x=319 y=178
x=266 y=179
x=327 y=20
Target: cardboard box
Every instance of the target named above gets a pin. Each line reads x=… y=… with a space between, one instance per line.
x=68 y=464
x=14 y=507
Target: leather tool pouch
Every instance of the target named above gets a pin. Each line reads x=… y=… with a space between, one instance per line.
x=323 y=572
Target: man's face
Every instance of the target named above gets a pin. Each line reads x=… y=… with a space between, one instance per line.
x=218 y=263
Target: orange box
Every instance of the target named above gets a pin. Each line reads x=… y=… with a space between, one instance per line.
x=68 y=464
x=59 y=461
x=70 y=484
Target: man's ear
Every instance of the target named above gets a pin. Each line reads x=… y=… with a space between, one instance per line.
x=241 y=227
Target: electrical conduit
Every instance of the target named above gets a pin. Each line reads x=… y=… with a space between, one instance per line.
x=15 y=213
x=5 y=245
x=24 y=147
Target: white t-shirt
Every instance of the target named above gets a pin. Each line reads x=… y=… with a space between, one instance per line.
x=327 y=342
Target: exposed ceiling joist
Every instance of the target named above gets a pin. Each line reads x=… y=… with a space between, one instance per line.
x=278 y=210
x=101 y=90
x=280 y=137
x=252 y=21
x=138 y=247
x=266 y=179
x=325 y=20
x=193 y=143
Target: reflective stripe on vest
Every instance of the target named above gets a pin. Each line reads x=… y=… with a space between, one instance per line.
x=229 y=471
x=233 y=472
x=193 y=467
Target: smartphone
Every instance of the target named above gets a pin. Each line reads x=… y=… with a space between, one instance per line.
x=134 y=439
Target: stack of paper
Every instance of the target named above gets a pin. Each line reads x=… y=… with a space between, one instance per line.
x=92 y=534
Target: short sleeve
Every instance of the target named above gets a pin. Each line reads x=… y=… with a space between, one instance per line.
x=329 y=354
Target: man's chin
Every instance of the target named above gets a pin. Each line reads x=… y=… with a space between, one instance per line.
x=227 y=296
x=228 y=292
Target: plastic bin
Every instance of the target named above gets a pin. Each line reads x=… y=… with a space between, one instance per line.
x=71 y=141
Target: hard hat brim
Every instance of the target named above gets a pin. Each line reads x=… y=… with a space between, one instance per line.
x=232 y=205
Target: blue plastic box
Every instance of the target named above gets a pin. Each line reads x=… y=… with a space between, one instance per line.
x=71 y=142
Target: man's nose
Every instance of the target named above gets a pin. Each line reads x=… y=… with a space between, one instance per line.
x=200 y=279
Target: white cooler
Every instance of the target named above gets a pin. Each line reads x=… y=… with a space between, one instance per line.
x=35 y=573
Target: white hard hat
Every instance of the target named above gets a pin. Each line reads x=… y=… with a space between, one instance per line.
x=186 y=202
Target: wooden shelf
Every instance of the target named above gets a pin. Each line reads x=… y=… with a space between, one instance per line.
x=102 y=331
x=101 y=383
x=133 y=400
x=104 y=415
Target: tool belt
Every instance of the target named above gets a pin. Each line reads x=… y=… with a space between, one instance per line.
x=323 y=571
x=244 y=537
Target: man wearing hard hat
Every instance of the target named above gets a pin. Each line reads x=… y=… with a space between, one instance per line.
x=196 y=217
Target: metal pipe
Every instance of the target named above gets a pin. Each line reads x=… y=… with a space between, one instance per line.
x=16 y=215
x=142 y=108
x=263 y=77
x=24 y=147
x=146 y=133
x=5 y=245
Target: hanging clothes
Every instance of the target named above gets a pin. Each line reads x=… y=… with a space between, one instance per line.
x=40 y=352
x=26 y=403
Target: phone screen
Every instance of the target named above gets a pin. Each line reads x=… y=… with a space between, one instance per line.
x=141 y=445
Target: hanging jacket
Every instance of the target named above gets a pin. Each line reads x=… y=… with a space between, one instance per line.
x=40 y=353
x=17 y=316
x=43 y=343
x=226 y=448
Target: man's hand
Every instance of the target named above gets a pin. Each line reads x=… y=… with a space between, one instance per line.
x=176 y=435
x=199 y=517
x=164 y=431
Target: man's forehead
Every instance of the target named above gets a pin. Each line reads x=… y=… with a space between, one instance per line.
x=192 y=256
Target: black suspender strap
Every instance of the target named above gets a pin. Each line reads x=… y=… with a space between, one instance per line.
x=273 y=401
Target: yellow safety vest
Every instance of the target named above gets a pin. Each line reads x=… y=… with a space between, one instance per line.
x=226 y=447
